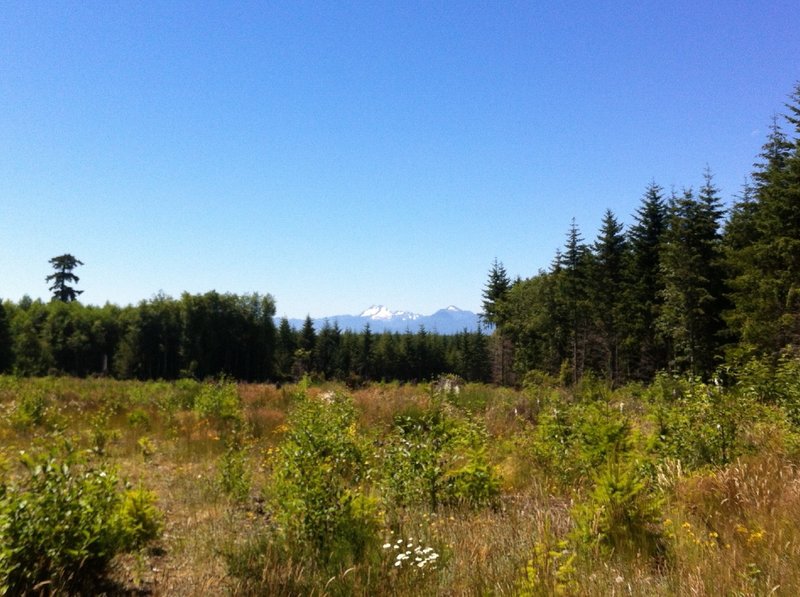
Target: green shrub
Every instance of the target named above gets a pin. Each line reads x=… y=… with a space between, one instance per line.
x=31 y=407
x=234 y=477
x=572 y=440
x=64 y=521
x=101 y=433
x=433 y=458
x=621 y=516
x=219 y=400
x=140 y=521
x=320 y=501
x=700 y=424
x=138 y=418
x=551 y=569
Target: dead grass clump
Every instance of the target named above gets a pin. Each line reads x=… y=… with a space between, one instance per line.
x=737 y=530
x=380 y=403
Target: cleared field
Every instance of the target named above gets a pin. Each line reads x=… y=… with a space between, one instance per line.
x=677 y=488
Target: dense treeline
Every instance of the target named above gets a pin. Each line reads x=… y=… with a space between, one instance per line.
x=354 y=356
x=198 y=335
x=684 y=289
x=214 y=334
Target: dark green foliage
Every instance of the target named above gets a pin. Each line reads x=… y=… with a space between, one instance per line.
x=201 y=336
x=6 y=349
x=212 y=335
x=227 y=334
x=677 y=293
x=287 y=344
x=607 y=287
x=693 y=280
x=494 y=293
x=766 y=265
x=63 y=277
x=644 y=291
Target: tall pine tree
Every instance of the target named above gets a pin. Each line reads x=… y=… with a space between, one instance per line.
x=691 y=267
x=766 y=284
x=607 y=285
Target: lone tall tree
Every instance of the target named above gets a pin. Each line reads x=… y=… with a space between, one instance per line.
x=63 y=277
x=493 y=294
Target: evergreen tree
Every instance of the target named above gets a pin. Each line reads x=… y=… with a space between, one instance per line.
x=286 y=347
x=574 y=298
x=366 y=357
x=740 y=229
x=308 y=336
x=691 y=266
x=608 y=278
x=494 y=292
x=645 y=288
x=6 y=353
x=766 y=282
x=63 y=277
x=326 y=350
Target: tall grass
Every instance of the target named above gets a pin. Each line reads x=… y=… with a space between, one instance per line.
x=705 y=499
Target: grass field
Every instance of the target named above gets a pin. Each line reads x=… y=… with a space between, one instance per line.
x=679 y=488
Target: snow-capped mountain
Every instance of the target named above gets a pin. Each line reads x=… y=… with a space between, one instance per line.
x=381 y=313
x=450 y=320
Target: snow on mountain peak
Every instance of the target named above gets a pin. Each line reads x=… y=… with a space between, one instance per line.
x=378 y=312
x=453 y=308
x=381 y=313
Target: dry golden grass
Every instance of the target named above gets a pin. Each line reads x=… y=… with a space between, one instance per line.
x=732 y=530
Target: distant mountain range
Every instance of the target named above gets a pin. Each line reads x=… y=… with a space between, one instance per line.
x=450 y=320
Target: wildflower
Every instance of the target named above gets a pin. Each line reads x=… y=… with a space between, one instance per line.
x=387 y=545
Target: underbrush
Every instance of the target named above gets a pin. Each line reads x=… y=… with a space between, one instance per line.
x=680 y=487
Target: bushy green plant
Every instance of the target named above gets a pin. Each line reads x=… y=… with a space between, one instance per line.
x=572 y=440
x=31 y=406
x=182 y=395
x=63 y=522
x=415 y=458
x=140 y=521
x=551 y=569
x=234 y=476
x=219 y=400
x=699 y=423
x=433 y=458
x=320 y=501
x=621 y=516
x=100 y=431
x=770 y=383
x=138 y=418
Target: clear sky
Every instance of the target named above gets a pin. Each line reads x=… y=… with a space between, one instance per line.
x=338 y=154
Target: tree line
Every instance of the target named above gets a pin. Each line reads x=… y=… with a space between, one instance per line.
x=213 y=334
x=687 y=287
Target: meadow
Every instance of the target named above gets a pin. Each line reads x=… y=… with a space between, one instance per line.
x=217 y=488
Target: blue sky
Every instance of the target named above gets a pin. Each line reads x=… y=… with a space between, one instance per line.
x=338 y=154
